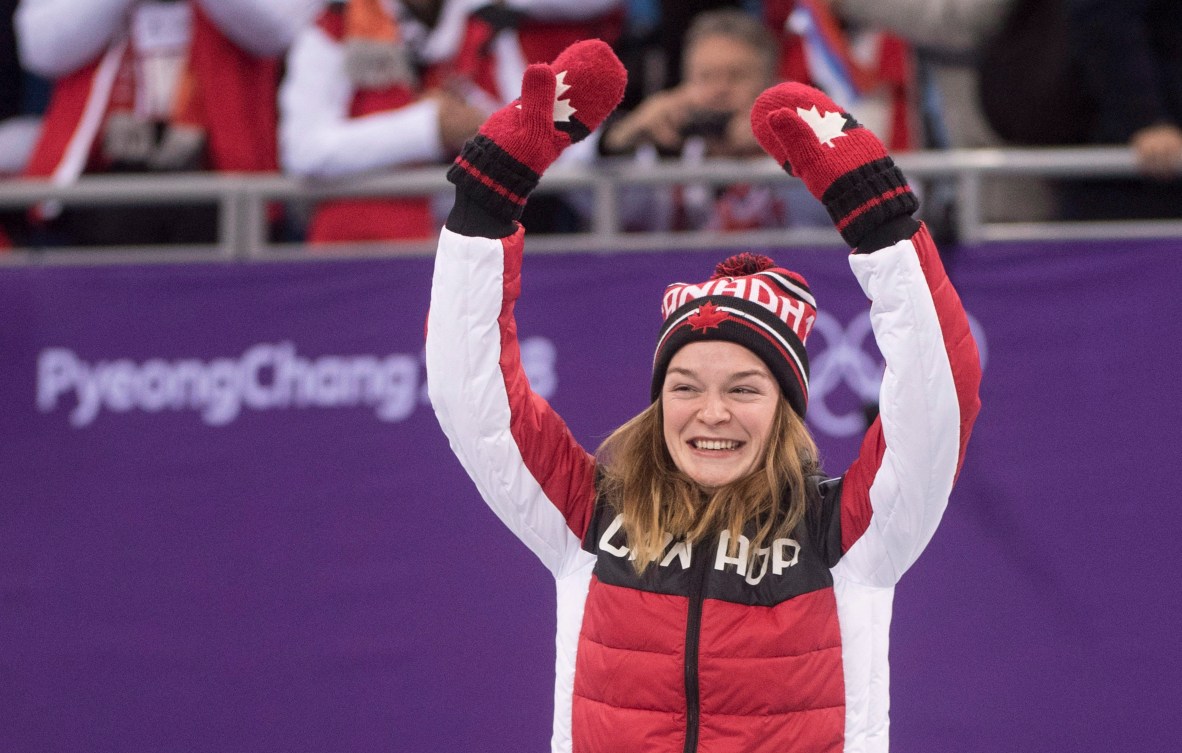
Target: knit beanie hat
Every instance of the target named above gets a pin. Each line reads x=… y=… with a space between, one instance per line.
x=749 y=301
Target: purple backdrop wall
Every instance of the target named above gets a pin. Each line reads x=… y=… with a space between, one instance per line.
x=229 y=522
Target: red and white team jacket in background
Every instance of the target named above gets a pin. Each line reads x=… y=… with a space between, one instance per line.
x=702 y=654
x=233 y=58
x=330 y=127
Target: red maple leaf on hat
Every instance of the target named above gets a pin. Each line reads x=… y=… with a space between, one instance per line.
x=708 y=316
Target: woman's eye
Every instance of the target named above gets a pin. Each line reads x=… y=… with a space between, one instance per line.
x=745 y=390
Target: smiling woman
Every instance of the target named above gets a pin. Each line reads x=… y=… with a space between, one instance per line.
x=716 y=590
x=733 y=449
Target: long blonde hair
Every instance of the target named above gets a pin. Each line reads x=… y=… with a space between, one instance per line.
x=656 y=500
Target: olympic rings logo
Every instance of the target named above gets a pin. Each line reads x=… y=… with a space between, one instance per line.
x=848 y=356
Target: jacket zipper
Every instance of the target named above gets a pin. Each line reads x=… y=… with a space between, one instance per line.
x=693 y=634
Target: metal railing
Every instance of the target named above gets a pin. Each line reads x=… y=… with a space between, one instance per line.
x=243 y=202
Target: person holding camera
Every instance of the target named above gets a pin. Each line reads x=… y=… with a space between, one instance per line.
x=729 y=58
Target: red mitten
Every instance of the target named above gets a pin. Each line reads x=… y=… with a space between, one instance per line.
x=841 y=163
x=560 y=103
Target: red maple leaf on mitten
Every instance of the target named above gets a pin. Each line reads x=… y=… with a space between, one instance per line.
x=841 y=163
x=560 y=103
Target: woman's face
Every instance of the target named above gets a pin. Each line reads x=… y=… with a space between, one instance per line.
x=717 y=405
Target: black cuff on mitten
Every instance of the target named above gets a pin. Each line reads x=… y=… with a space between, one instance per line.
x=469 y=217
x=867 y=198
x=898 y=229
x=493 y=179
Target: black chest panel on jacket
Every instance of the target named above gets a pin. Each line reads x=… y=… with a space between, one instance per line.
x=784 y=568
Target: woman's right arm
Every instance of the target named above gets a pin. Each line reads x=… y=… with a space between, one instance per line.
x=517 y=450
x=57 y=37
x=523 y=459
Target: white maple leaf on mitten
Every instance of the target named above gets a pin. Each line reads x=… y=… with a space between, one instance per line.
x=563 y=110
x=827 y=127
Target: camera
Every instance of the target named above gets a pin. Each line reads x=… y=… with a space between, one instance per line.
x=711 y=124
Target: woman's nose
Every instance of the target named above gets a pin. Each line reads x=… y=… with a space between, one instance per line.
x=714 y=409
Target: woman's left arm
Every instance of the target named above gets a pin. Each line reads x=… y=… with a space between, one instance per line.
x=895 y=492
x=893 y=496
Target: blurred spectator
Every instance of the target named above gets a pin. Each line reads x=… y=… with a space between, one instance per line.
x=20 y=120
x=729 y=60
x=913 y=77
x=650 y=43
x=1130 y=55
x=151 y=86
x=864 y=68
x=19 y=115
x=1063 y=72
x=946 y=26
x=850 y=28
x=933 y=78
x=946 y=37
x=730 y=57
x=376 y=84
x=1030 y=84
x=352 y=101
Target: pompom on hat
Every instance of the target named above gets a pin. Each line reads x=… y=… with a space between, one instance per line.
x=748 y=301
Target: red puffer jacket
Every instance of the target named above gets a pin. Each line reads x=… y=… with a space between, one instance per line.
x=702 y=654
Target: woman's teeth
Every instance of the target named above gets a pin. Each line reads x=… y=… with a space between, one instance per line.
x=715 y=444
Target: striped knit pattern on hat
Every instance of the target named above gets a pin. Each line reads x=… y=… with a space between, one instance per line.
x=751 y=302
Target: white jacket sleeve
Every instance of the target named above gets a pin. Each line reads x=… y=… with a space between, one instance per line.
x=317 y=136
x=894 y=494
x=57 y=37
x=517 y=450
x=265 y=28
